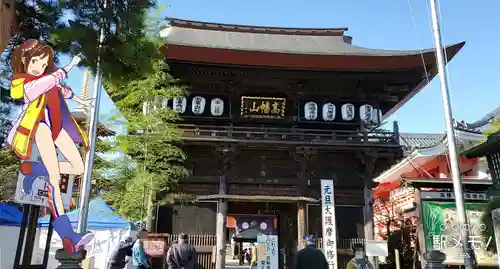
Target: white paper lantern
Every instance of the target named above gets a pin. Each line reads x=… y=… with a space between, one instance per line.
x=217 y=107
x=329 y=112
x=198 y=105
x=164 y=102
x=376 y=116
x=365 y=113
x=348 y=112
x=310 y=111
x=157 y=103
x=180 y=104
x=147 y=108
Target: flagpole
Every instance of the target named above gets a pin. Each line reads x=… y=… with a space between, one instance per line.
x=94 y=118
x=468 y=252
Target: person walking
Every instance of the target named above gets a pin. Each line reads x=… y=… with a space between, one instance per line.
x=139 y=258
x=310 y=257
x=119 y=258
x=360 y=261
x=181 y=255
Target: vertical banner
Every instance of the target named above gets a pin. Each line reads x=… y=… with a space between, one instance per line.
x=495 y=214
x=272 y=252
x=328 y=221
x=262 y=252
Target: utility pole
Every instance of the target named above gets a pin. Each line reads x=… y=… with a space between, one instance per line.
x=468 y=252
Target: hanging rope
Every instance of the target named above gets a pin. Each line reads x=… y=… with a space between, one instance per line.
x=418 y=40
x=438 y=4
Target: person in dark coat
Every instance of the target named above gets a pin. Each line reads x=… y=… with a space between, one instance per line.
x=181 y=255
x=119 y=257
x=310 y=257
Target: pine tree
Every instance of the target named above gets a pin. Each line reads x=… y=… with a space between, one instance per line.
x=9 y=163
x=127 y=51
x=153 y=162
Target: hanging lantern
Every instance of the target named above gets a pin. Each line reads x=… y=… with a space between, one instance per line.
x=157 y=102
x=164 y=102
x=217 y=107
x=147 y=108
x=365 y=113
x=180 y=104
x=376 y=116
x=311 y=111
x=348 y=112
x=198 y=105
x=329 y=112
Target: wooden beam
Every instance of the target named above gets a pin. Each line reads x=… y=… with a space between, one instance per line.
x=201 y=72
x=264 y=181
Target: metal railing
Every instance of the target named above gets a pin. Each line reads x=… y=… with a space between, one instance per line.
x=228 y=133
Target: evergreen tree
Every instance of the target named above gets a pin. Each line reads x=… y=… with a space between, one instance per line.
x=153 y=162
x=126 y=52
x=9 y=163
x=495 y=127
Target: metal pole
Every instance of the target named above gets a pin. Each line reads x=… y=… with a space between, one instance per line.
x=89 y=157
x=450 y=132
x=397 y=258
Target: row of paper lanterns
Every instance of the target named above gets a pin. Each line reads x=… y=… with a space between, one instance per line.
x=179 y=105
x=367 y=113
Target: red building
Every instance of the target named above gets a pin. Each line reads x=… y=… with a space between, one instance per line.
x=419 y=187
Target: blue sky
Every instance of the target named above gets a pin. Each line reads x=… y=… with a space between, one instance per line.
x=384 y=24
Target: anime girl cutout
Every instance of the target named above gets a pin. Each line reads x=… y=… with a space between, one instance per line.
x=46 y=122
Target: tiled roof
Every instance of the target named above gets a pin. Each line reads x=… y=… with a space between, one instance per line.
x=480 y=125
x=284 y=40
x=413 y=141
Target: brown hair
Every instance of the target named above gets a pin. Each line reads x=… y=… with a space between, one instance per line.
x=28 y=49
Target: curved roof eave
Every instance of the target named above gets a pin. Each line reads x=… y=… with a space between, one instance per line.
x=438 y=148
x=281 y=43
x=487 y=119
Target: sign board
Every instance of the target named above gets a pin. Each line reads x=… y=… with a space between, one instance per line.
x=329 y=223
x=448 y=195
x=376 y=248
x=443 y=233
x=263 y=107
x=40 y=188
x=154 y=247
x=262 y=252
x=272 y=252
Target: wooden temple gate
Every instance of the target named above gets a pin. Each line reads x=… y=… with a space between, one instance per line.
x=263 y=124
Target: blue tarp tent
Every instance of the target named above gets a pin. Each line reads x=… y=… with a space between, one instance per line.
x=10 y=215
x=101 y=216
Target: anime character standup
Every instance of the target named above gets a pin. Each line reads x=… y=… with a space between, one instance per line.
x=46 y=122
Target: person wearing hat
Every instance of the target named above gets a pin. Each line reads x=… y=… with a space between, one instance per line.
x=139 y=258
x=360 y=261
x=310 y=257
x=120 y=256
x=181 y=255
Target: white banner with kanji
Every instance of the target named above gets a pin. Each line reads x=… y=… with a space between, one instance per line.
x=328 y=221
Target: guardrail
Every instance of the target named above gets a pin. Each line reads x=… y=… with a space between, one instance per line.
x=285 y=135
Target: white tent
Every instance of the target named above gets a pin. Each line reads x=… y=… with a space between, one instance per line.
x=109 y=230
x=10 y=222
